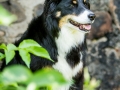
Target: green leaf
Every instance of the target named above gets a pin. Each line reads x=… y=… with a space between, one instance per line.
x=15 y=74
x=9 y=52
x=39 y=51
x=47 y=77
x=9 y=55
x=94 y=83
x=6 y=18
x=86 y=76
x=0 y=79
x=8 y=88
x=3 y=46
x=2 y=56
x=12 y=87
x=25 y=56
x=34 y=48
x=28 y=43
x=11 y=47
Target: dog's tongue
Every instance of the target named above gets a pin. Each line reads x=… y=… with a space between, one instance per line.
x=87 y=26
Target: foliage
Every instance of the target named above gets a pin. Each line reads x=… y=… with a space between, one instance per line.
x=25 y=48
x=90 y=84
x=6 y=18
x=21 y=78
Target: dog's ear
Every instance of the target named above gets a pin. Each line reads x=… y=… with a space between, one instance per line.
x=50 y=5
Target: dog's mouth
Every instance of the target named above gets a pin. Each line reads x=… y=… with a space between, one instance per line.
x=83 y=27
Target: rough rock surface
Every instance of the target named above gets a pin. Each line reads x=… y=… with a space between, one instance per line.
x=114 y=6
x=103 y=60
x=101 y=26
x=103 y=55
x=15 y=30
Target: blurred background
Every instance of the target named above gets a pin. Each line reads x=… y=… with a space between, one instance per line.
x=103 y=55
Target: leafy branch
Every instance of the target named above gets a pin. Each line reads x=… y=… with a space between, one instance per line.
x=20 y=77
x=25 y=48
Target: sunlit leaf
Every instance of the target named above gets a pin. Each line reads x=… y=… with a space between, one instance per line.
x=8 y=88
x=94 y=83
x=46 y=77
x=11 y=47
x=31 y=46
x=25 y=56
x=2 y=56
x=14 y=74
x=86 y=76
x=6 y=18
x=28 y=43
x=3 y=46
x=90 y=83
x=39 y=51
x=9 y=55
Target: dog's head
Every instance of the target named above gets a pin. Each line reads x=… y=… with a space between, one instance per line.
x=74 y=14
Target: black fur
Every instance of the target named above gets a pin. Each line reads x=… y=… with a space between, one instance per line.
x=74 y=54
x=45 y=29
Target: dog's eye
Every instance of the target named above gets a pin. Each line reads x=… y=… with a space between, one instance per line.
x=86 y=4
x=71 y=6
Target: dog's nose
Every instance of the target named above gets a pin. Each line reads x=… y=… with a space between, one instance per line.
x=91 y=16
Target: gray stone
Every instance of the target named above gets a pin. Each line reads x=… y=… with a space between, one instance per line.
x=101 y=26
x=114 y=6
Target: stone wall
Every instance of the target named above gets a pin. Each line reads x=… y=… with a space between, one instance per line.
x=103 y=55
x=24 y=11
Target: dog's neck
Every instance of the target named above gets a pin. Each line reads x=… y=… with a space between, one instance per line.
x=68 y=39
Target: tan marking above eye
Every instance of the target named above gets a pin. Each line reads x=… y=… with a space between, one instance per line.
x=84 y=0
x=74 y=1
x=58 y=14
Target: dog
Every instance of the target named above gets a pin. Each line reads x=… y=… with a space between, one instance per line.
x=61 y=30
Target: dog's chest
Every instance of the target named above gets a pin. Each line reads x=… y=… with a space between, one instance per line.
x=66 y=41
x=68 y=72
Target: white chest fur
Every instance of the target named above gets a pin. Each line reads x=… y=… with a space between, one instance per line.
x=68 y=38
x=67 y=71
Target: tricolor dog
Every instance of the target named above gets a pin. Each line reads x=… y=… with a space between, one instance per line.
x=61 y=30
